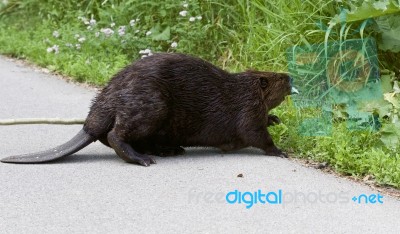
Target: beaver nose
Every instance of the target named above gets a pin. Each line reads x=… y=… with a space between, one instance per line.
x=293 y=89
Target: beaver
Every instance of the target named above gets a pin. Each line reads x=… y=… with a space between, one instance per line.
x=167 y=101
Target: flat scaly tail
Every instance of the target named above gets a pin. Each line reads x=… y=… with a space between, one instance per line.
x=78 y=142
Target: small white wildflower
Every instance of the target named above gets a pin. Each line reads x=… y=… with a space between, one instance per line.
x=183 y=13
x=185 y=5
x=76 y=36
x=69 y=45
x=90 y=27
x=199 y=17
x=146 y=51
x=191 y=19
x=49 y=50
x=56 y=34
x=86 y=22
x=148 y=33
x=121 y=30
x=137 y=31
x=132 y=22
x=112 y=24
x=54 y=49
x=107 y=31
x=82 y=39
x=97 y=34
x=137 y=20
x=174 y=44
x=144 y=55
x=92 y=22
x=78 y=46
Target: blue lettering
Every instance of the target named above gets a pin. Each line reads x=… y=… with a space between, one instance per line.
x=233 y=193
x=248 y=202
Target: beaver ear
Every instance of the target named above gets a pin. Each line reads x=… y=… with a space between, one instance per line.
x=263 y=83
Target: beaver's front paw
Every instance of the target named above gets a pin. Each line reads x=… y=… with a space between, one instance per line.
x=272 y=120
x=273 y=151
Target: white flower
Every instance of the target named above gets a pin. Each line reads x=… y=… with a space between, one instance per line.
x=89 y=27
x=54 y=49
x=148 y=33
x=121 y=30
x=146 y=52
x=137 y=31
x=199 y=17
x=174 y=44
x=76 y=36
x=78 y=46
x=92 y=22
x=132 y=22
x=82 y=39
x=191 y=19
x=112 y=24
x=107 y=31
x=185 y=5
x=56 y=34
x=183 y=13
x=97 y=34
x=69 y=45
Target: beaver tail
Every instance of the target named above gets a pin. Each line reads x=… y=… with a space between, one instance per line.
x=78 y=142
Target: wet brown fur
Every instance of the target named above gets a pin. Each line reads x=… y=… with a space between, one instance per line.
x=167 y=101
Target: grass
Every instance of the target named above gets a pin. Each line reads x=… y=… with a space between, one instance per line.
x=233 y=34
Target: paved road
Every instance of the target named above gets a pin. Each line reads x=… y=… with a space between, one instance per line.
x=96 y=192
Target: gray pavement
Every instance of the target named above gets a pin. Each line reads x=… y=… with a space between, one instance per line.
x=94 y=191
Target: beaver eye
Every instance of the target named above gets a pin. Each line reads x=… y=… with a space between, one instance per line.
x=264 y=83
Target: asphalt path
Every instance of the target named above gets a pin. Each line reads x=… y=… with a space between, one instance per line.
x=94 y=191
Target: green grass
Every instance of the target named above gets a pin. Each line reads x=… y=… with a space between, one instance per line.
x=233 y=34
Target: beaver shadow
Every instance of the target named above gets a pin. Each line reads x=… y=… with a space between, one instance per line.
x=192 y=152
x=85 y=158
x=207 y=152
